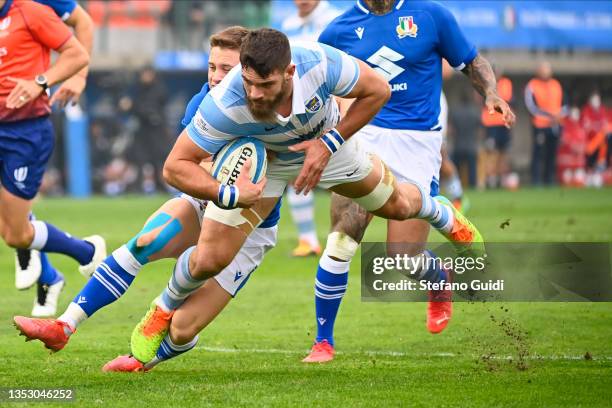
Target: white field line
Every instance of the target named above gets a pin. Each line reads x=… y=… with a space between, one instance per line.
x=394 y=354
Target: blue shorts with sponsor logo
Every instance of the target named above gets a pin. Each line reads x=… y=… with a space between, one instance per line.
x=25 y=148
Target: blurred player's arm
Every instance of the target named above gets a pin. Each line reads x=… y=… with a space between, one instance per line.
x=483 y=80
x=72 y=88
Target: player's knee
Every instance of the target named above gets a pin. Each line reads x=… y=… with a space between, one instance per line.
x=16 y=238
x=378 y=198
x=404 y=203
x=397 y=207
x=206 y=264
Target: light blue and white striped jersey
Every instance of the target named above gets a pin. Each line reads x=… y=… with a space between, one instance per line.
x=321 y=71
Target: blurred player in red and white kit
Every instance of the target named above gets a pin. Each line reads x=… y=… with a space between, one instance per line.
x=28 y=33
x=571 y=157
x=594 y=119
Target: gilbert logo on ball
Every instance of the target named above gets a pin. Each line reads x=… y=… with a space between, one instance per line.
x=228 y=162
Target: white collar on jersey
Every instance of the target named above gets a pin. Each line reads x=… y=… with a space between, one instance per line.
x=297 y=100
x=366 y=10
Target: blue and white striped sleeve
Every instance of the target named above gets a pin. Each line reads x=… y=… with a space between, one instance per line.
x=203 y=128
x=342 y=71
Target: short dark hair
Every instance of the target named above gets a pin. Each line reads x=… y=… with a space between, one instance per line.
x=230 y=38
x=265 y=50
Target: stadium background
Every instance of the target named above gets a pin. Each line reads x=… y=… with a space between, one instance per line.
x=495 y=354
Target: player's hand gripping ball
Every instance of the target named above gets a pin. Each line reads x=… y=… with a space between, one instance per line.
x=227 y=168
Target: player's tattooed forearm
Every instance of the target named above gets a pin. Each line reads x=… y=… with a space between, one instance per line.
x=481 y=74
x=349 y=217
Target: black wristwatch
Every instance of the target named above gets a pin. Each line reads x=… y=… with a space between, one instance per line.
x=41 y=81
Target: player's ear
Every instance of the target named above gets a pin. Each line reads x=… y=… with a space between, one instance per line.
x=290 y=71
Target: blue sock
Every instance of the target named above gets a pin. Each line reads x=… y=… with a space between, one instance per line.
x=330 y=287
x=109 y=282
x=167 y=350
x=48 y=275
x=114 y=276
x=48 y=238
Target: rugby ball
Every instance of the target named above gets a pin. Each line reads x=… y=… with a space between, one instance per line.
x=228 y=161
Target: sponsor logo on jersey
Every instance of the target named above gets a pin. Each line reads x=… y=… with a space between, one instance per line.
x=359 y=31
x=406 y=27
x=399 y=87
x=200 y=123
x=237 y=276
x=383 y=62
x=314 y=104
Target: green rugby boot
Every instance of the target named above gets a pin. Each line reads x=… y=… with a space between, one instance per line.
x=149 y=333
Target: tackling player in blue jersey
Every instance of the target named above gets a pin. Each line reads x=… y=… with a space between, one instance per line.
x=166 y=234
x=404 y=41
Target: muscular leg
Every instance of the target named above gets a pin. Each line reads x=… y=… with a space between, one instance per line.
x=180 y=210
x=166 y=234
x=384 y=197
x=410 y=237
x=15 y=227
x=217 y=246
x=348 y=217
x=404 y=202
x=349 y=222
x=19 y=232
x=200 y=308
x=198 y=311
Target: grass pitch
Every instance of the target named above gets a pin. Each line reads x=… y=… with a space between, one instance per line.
x=543 y=355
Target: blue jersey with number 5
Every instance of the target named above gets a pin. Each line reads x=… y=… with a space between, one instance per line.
x=406 y=46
